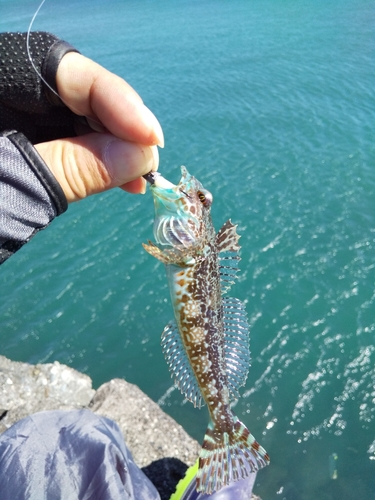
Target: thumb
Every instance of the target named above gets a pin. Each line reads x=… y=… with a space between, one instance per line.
x=96 y=162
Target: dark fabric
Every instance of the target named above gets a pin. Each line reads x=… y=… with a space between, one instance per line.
x=69 y=455
x=30 y=197
x=41 y=171
x=165 y=474
x=26 y=103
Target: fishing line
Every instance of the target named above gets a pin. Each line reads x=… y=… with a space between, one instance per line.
x=89 y=120
x=29 y=52
x=92 y=119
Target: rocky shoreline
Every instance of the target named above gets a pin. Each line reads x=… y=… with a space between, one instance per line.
x=158 y=443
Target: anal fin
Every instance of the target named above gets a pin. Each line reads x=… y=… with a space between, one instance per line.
x=179 y=365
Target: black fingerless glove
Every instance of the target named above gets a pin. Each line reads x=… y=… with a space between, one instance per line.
x=30 y=196
x=27 y=104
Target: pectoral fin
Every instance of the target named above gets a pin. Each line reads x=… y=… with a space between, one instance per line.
x=168 y=256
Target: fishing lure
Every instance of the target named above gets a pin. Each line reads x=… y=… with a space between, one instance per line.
x=207 y=346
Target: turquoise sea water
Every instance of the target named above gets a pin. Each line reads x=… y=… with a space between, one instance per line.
x=271 y=104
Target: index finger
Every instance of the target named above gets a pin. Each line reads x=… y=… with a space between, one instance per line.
x=90 y=90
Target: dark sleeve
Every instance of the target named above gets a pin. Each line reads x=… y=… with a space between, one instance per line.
x=27 y=71
x=30 y=196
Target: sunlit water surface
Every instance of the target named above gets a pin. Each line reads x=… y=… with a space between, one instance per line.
x=271 y=105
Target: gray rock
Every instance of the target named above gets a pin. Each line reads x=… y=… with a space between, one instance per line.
x=156 y=441
x=27 y=389
x=149 y=433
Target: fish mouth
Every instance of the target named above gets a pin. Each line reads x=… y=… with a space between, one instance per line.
x=174 y=225
x=157 y=180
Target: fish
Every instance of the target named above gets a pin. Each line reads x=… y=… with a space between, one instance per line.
x=206 y=346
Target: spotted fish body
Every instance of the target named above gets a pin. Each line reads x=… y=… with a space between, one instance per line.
x=207 y=346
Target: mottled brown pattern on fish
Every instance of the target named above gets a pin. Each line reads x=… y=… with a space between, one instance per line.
x=199 y=306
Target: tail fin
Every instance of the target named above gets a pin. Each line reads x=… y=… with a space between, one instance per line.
x=227 y=457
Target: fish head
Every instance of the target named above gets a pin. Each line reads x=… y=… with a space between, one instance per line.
x=181 y=211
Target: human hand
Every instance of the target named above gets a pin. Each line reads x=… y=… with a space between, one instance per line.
x=123 y=149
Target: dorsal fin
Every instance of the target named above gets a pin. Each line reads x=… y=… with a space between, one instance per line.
x=228 y=268
x=227 y=238
x=227 y=245
x=236 y=344
x=179 y=365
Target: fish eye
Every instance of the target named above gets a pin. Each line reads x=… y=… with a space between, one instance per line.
x=205 y=197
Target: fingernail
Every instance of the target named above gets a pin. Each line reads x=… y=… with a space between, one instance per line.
x=126 y=161
x=155 y=154
x=144 y=185
x=151 y=118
